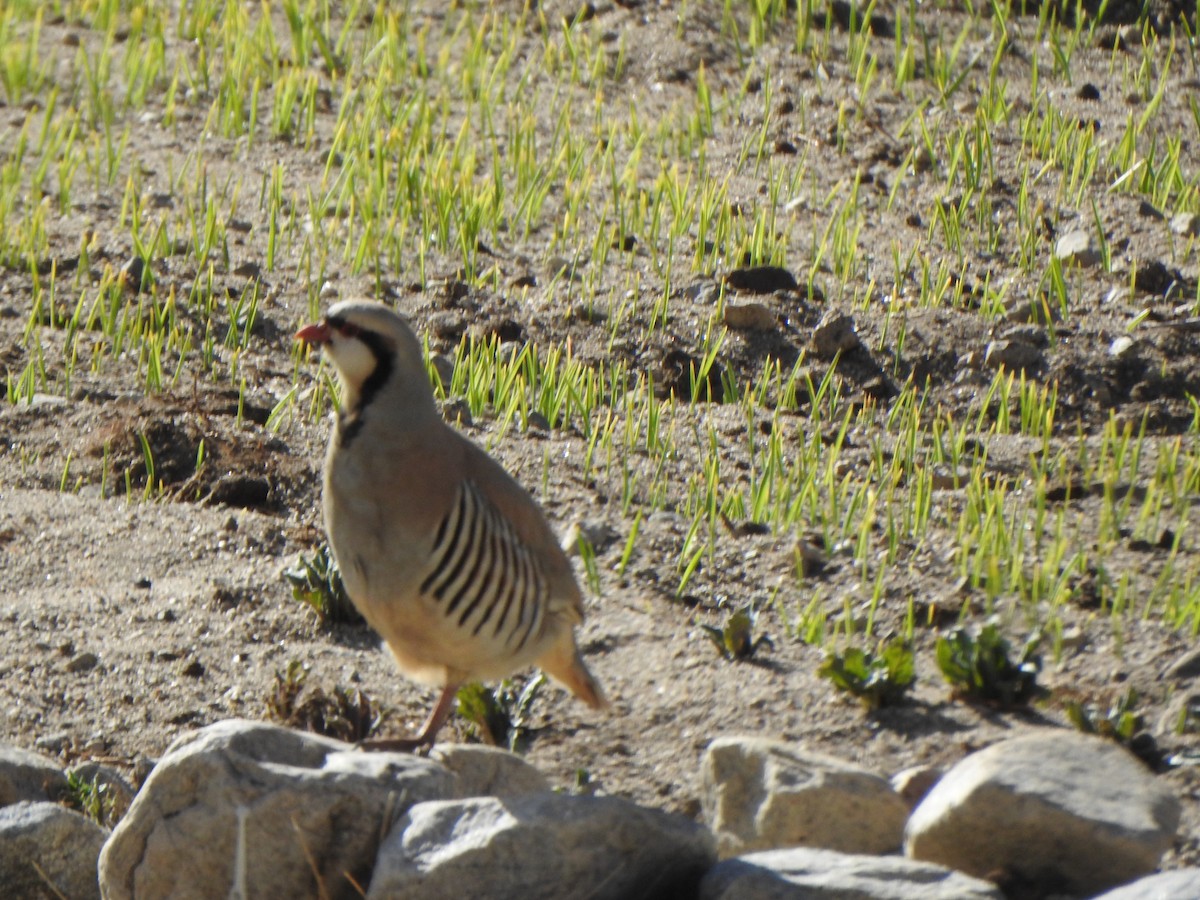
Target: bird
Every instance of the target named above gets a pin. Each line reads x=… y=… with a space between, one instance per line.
x=446 y=556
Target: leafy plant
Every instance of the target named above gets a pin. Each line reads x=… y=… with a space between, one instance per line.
x=499 y=716
x=735 y=640
x=1120 y=721
x=317 y=584
x=92 y=797
x=346 y=714
x=879 y=678
x=979 y=667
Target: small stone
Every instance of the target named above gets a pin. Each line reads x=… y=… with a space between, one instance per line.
x=1077 y=247
x=537 y=422
x=761 y=280
x=1155 y=277
x=946 y=478
x=53 y=743
x=1148 y=210
x=1186 y=224
x=913 y=783
x=1187 y=666
x=1182 y=715
x=132 y=274
x=922 y=160
x=443 y=366
x=598 y=534
x=1033 y=335
x=810 y=558
x=561 y=267
x=835 y=333
x=1072 y=638
x=1034 y=311
x=1016 y=356
x=1088 y=91
x=749 y=317
x=589 y=311
x=241 y=491
x=192 y=669
x=1121 y=346
x=82 y=662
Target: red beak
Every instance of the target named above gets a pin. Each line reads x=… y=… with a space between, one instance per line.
x=317 y=334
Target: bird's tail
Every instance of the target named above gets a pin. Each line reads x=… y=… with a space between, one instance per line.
x=564 y=664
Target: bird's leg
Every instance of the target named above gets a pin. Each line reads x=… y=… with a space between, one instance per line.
x=433 y=724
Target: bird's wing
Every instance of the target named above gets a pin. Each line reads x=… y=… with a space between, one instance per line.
x=529 y=523
x=483 y=578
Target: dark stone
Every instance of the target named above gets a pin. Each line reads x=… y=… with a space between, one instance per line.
x=761 y=280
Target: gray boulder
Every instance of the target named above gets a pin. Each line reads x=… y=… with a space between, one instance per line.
x=539 y=847
x=761 y=794
x=247 y=809
x=802 y=873
x=488 y=771
x=1055 y=807
x=25 y=775
x=47 y=850
x=1182 y=884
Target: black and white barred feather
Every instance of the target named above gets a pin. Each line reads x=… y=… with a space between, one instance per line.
x=483 y=575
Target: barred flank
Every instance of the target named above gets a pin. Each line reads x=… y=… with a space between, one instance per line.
x=481 y=572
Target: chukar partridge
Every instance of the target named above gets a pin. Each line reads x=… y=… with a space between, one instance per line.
x=443 y=553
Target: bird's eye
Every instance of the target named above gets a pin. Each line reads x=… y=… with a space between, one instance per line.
x=340 y=325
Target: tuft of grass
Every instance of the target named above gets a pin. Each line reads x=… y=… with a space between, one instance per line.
x=346 y=714
x=1120 y=722
x=877 y=678
x=91 y=797
x=317 y=583
x=979 y=667
x=735 y=639
x=499 y=716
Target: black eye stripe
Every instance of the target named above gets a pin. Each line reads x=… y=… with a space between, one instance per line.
x=341 y=325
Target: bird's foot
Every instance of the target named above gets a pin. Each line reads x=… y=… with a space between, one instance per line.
x=418 y=745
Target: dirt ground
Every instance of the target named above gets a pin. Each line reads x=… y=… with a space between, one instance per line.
x=129 y=623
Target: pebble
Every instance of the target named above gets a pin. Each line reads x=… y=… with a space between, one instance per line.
x=1186 y=224
x=1077 y=247
x=1016 y=356
x=835 y=333
x=1121 y=346
x=761 y=280
x=82 y=662
x=749 y=317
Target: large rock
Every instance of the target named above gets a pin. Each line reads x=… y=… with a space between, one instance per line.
x=1055 y=807
x=47 y=850
x=1182 y=884
x=254 y=810
x=761 y=794
x=489 y=771
x=802 y=873
x=541 y=846
x=25 y=775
